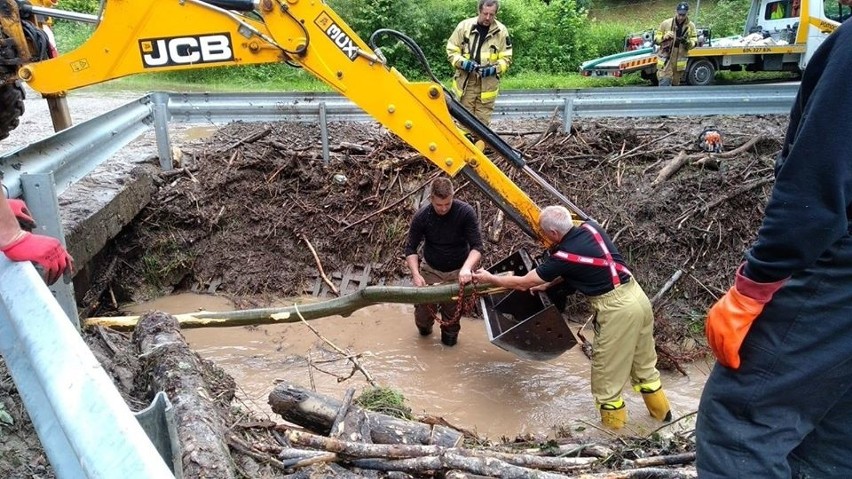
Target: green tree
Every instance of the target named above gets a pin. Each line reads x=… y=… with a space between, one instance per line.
x=726 y=18
x=547 y=38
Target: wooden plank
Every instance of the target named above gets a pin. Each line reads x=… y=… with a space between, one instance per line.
x=347 y=278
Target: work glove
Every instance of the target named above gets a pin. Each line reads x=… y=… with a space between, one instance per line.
x=729 y=320
x=45 y=251
x=22 y=214
x=469 y=66
x=668 y=35
x=488 y=71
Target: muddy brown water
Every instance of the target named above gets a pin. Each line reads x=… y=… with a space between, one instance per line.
x=474 y=384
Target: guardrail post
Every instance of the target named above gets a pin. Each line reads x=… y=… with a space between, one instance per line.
x=161 y=129
x=323 y=121
x=158 y=421
x=568 y=115
x=40 y=194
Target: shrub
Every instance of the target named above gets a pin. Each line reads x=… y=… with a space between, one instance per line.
x=81 y=6
x=727 y=18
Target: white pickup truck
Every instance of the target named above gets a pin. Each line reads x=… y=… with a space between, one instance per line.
x=779 y=35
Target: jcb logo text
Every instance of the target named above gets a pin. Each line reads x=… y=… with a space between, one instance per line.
x=173 y=51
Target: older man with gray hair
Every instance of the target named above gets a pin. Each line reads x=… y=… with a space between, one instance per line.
x=586 y=259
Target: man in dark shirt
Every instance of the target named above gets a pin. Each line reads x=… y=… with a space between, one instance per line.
x=779 y=401
x=623 y=349
x=452 y=247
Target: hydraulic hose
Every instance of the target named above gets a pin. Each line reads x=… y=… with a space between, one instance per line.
x=472 y=123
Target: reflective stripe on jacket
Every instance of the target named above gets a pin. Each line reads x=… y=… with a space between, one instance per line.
x=496 y=50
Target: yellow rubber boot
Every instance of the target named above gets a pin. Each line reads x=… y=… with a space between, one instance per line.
x=613 y=414
x=657 y=404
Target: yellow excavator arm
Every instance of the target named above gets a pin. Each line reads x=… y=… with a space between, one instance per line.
x=136 y=36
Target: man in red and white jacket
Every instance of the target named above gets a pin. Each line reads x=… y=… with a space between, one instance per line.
x=623 y=349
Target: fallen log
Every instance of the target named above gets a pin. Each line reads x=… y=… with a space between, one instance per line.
x=462 y=475
x=351 y=423
x=396 y=451
x=168 y=364
x=476 y=465
x=742 y=148
x=353 y=147
x=644 y=473
x=671 y=168
x=495 y=232
x=317 y=413
x=671 y=460
x=587 y=450
x=325 y=471
x=676 y=276
x=343 y=306
x=249 y=139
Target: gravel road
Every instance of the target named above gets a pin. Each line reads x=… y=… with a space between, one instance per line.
x=83 y=105
x=89 y=194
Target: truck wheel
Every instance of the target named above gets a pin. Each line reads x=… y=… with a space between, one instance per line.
x=11 y=107
x=700 y=72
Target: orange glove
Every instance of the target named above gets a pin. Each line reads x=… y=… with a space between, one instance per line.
x=729 y=320
x=43 y=250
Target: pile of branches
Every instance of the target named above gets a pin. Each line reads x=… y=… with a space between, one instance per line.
x=252 y=208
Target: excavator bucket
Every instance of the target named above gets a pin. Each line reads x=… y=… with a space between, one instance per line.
x=526 y=324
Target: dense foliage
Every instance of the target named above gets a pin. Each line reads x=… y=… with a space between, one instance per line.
x=550 y=37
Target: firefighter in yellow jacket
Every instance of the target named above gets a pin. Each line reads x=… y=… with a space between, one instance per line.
x=481 y=51
x=675 y=37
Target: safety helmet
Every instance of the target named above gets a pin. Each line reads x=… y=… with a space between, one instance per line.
x=682 y=7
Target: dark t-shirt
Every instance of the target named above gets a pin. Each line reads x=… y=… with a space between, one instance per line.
x=588 y=279
x=447 y=239
x=481 y=33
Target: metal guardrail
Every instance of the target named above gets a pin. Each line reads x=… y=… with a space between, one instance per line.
x=83 y=422
x=587 y=103
x=75 y=407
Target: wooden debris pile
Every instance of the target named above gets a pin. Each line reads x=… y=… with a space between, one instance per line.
x=253 y=197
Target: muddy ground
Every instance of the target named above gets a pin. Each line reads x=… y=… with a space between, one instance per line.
x=238 y=219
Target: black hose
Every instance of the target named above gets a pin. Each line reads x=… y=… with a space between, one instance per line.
x=408 y=42
x=457 y=111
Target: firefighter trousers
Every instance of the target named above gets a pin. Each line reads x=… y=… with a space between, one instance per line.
x=787 y=412
x=472 y=99
x=624 y=342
